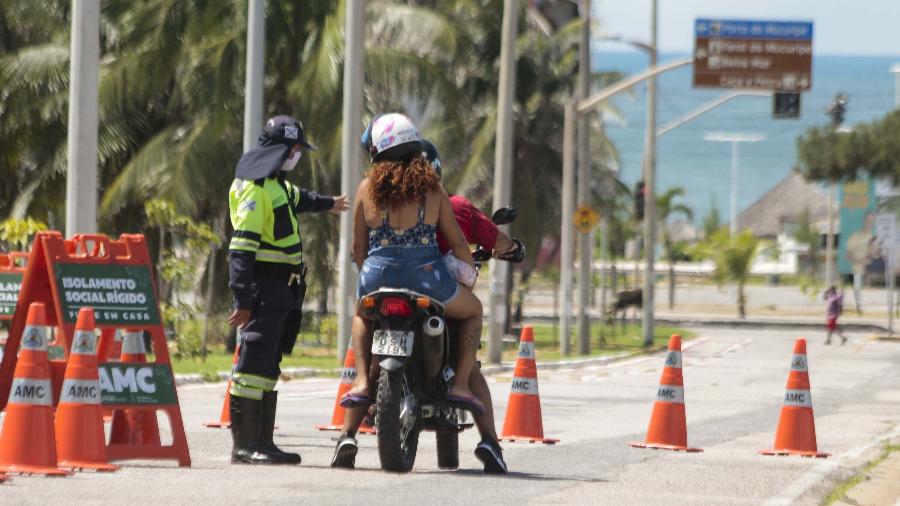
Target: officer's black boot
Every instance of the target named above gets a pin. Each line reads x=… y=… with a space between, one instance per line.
x=245 y=418
x=266 y=430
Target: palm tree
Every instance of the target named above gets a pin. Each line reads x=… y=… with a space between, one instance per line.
x=732 y=256
x=666 y=208
x=171 y=95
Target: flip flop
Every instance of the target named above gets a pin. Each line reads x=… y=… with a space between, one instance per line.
x=470 y=403
x=354 y=401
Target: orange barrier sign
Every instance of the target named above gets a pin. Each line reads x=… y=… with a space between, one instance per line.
x=114 y=278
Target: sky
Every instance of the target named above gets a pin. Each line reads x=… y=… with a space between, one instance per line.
x=842 y=27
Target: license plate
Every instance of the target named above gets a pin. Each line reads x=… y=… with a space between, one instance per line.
x=397 y=343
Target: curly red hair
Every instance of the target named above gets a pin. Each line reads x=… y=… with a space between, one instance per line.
x=394 y=184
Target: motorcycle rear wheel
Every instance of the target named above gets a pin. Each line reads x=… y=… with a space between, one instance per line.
x=396 y=452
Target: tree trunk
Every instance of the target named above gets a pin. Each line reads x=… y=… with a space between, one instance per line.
x=741 y=300
x=219 y=228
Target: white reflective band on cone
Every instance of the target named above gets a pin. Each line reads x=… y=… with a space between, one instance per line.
x=526 y=350
x=80 y=391
x=798 y=363
x=31 y=391
x=133 y=343
x=673 y=359
x=670 y=393
x=348 y=375
x=34 y=338
x=798 y=398
x=528 y=386
x=84 y=342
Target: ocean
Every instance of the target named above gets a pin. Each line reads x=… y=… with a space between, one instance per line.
x=702 y=167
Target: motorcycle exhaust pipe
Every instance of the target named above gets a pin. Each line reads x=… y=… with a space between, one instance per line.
x=433 y=326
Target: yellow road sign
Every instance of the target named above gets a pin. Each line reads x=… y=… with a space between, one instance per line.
x=585 y=219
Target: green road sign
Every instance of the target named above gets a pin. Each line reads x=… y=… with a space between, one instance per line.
x=10 y=283
x=119 y=294
x=134 y=383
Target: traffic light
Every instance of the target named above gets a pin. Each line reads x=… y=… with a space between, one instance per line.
x=639 y=192
x=786 y=105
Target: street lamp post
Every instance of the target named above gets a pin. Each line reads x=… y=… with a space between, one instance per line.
x=650 y=185
x=84 y=68
x=734 y=139
x=585 y=241
x=503 y=153
x=354 y=29
x=255 y=72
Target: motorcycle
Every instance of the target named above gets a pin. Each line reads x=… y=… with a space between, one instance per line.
x=412 y=347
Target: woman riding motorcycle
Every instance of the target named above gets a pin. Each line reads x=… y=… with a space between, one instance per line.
x=397 y=212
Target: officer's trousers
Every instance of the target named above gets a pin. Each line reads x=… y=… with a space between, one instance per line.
x=257 y=368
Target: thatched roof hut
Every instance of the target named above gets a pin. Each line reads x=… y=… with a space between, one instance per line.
x=785 y=203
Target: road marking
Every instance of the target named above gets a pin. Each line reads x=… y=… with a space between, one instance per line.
x=819 y=471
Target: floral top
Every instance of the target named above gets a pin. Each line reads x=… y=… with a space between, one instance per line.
x=419 y=236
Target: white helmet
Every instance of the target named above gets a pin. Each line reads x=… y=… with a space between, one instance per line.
x=394 y=137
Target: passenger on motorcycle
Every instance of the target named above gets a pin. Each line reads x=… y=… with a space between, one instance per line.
x=477 y=229
x=399 y=209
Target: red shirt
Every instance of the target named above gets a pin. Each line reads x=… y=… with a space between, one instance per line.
x=476 y=227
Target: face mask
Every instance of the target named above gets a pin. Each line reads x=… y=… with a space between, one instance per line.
x=291 y=162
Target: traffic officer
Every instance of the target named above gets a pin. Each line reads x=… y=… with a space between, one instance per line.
x=267 y=280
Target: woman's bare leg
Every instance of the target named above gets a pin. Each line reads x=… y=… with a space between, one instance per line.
x=466 y=308
x=361 y=332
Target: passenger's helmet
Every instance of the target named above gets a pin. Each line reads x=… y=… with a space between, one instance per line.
x=394 y=137
x=430 y=152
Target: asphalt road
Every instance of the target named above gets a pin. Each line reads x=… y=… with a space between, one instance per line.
x=734 y=383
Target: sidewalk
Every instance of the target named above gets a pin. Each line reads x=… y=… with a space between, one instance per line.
x=879 y=485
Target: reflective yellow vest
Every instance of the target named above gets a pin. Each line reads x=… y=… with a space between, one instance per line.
x=263 y=219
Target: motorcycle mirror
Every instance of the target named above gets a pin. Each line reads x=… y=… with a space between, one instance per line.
x=504 y=215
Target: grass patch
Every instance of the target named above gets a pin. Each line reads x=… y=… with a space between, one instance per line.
x=219 y=359
x=839 y=492
x=604 y=340
x=546 y=344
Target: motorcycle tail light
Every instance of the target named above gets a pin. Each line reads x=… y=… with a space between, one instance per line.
x=395 y=306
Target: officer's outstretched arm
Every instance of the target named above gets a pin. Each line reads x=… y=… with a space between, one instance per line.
x=312 y=202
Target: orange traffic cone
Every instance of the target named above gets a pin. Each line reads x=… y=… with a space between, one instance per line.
x=134 y=426
x=27 y=443
x=348 y=374
x=523 y=414
x=668 y=428
x=80 y=441
x=796 y=434
x=225 y=416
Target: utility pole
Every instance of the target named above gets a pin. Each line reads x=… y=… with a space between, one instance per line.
x=354 y=29
x=734 y=139
x=650 y=185
x=567 y=228
x=255 y=73
x=503 y=154
x=84 y=74
x=585 y=243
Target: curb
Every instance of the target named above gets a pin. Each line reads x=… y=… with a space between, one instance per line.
x=689 y=321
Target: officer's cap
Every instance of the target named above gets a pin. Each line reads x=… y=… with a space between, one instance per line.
x=284 y=129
